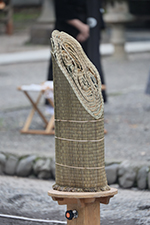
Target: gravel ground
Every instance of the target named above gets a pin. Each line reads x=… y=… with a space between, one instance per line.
x=28 y=198
x=17 y=43
x=127 y=117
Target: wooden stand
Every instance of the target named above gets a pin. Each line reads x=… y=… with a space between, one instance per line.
x=87 y=204
x=49 y=125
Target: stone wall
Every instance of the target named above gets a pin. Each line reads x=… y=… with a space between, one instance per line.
x=127 y=174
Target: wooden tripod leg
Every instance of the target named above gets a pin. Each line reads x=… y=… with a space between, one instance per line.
x=35 y=106
x=30 y=116
x=50 y=102
x=50 y=126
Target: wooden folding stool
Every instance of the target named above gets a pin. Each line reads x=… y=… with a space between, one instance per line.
x=42 y=89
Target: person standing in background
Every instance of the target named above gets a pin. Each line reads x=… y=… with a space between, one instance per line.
x=82 y=19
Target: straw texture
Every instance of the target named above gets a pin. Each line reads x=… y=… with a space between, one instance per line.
x=79 y=118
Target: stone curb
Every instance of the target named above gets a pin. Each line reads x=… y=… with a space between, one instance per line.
x=127 y=174
x=44 y=54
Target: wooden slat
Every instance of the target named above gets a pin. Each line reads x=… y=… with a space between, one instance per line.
x=36 y=108
x=37 y=132
x=30 y=116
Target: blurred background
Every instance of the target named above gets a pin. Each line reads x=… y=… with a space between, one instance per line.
x=24 y=14
x=33 y=16
x=25 y=30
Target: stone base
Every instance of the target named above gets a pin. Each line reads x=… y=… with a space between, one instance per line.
x=41 y=33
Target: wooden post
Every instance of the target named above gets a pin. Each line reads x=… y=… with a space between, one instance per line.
x=88 y=214
x=87 y=204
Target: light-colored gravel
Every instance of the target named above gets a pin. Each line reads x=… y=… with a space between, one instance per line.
x=29 y=198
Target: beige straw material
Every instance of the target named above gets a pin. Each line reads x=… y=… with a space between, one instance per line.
x=79 y=118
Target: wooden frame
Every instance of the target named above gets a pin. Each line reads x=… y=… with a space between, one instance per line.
x=49 y=125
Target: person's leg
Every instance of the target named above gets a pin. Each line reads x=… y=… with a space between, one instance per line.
x=100 y=70
x=95 y=57
x=50 y=70
x=49 y=76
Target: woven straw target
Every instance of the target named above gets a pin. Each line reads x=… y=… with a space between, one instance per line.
x=79 y=118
